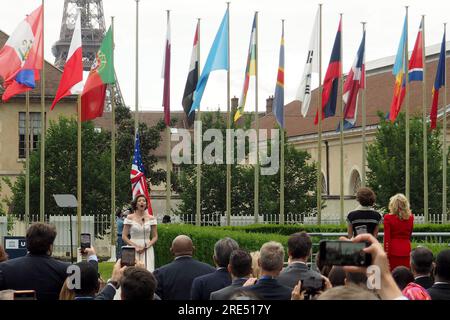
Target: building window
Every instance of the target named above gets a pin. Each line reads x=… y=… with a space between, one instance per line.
x=35 y=132
x=176 y=169
x=324 y=185
x=355 y=182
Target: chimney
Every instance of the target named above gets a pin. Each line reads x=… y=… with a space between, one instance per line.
x=234 y=104
x=269 y=102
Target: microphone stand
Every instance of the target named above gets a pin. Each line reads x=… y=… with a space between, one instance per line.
x=145 y=243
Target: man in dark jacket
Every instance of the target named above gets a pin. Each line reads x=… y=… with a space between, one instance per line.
x=421 y=266
x=175 y=279
x=271 y=262
x=299 y=250
x=441 y=288
x=38 y=270
x=240 y=268
x=203 y=286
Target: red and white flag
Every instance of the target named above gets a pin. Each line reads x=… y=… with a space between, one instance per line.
x=72 y=78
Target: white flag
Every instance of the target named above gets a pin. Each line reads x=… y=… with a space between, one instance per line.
x=311 y=66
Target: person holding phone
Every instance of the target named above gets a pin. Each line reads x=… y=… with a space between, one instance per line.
x=142 y=228
x=398 y=227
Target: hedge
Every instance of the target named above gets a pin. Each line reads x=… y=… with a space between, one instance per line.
x=292 y=228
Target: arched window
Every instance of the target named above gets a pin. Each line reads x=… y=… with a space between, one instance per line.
x=355 y=182
x=324 y=185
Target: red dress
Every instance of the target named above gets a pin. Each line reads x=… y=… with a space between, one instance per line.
x=397 y=240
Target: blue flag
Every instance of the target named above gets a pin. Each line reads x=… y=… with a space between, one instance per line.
x=217 y=60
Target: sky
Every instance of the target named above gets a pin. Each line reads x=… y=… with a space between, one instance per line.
x=384 y=22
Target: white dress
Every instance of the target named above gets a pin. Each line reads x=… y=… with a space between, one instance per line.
x=139 y=234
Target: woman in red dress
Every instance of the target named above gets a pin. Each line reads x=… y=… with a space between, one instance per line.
x=398 y=226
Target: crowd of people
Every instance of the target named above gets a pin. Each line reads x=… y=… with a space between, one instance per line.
x=400 y=272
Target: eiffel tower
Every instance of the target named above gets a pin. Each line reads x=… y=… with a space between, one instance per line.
x=92 y=32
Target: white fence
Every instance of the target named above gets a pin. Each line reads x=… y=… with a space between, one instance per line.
x=3 y=228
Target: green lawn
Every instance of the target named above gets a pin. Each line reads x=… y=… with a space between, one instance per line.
x=105 y=269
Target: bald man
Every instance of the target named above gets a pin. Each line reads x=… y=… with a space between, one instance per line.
x=175 y=279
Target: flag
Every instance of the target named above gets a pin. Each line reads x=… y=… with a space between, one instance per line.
x=191 y=82
x=354 y=82
x=101 y=74
x=72 y=78
x=166 y=76
x=278 y=99
x=415 y=68
x=217 y=60
x=399 y=72
x=21 y=56
x=250 y=70
x=331 y=81
x=311 y=66
x=137 y=175
x=439 y=82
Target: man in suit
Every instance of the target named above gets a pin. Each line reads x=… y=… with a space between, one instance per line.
x=299 y=250
x=440 y=290
x=421 y=266
x=271 y=262
x=174 y=280
x=203 y=286
x=38 y=270
x=240 y=268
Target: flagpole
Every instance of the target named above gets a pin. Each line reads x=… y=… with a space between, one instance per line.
x=407 y=187
x=444 y=135
x=424 y=127
x=136 y=110
x=228 y=199
x=168 y=160
x=78 y=172
x=363 y=108
x=281 y=220
x=198 y=217
x=319 y=143
x=43 y=128
x=27 y=159
x=113 y=152
x=256 y=195
x=341 y=198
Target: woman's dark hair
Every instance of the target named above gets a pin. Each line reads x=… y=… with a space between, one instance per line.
x=366 y=197
x=118 y=212
x=135 y=200
x=39 y=238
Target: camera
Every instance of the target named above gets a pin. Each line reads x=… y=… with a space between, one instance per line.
x=128 y=257
x=344 y=253
x=312 y=285
x=85 y=241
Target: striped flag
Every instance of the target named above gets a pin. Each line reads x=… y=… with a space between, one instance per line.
x=250 y=70
x=331 y=81
x=166 y=75
x=72 y=78
x=137 y=175
x=278 y=100
x=399 y=72
x=439 y=82
x=415 y=68
x=354 y=82
x=192 y=79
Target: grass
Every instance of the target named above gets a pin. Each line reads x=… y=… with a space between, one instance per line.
x=105 y=269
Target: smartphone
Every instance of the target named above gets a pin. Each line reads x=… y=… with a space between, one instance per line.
x=128 y=257
x=344 y=253
x=311 y=285
x=25 y=295
x=85 y=241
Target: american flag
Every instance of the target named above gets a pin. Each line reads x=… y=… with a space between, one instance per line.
x=137 y=175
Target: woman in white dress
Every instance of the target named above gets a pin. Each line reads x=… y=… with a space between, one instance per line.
x=140 y=231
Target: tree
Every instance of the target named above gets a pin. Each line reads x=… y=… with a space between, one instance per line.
x=61 y=165
x=300 y=177
x=386 y=164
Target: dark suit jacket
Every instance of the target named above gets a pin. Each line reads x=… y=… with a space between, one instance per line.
x=440 y=291
x=426 y=281
x=227 y=292
x=270 y=289
x=290 y=275
x=175 y=279
x=204 y=285
x=41 y=273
